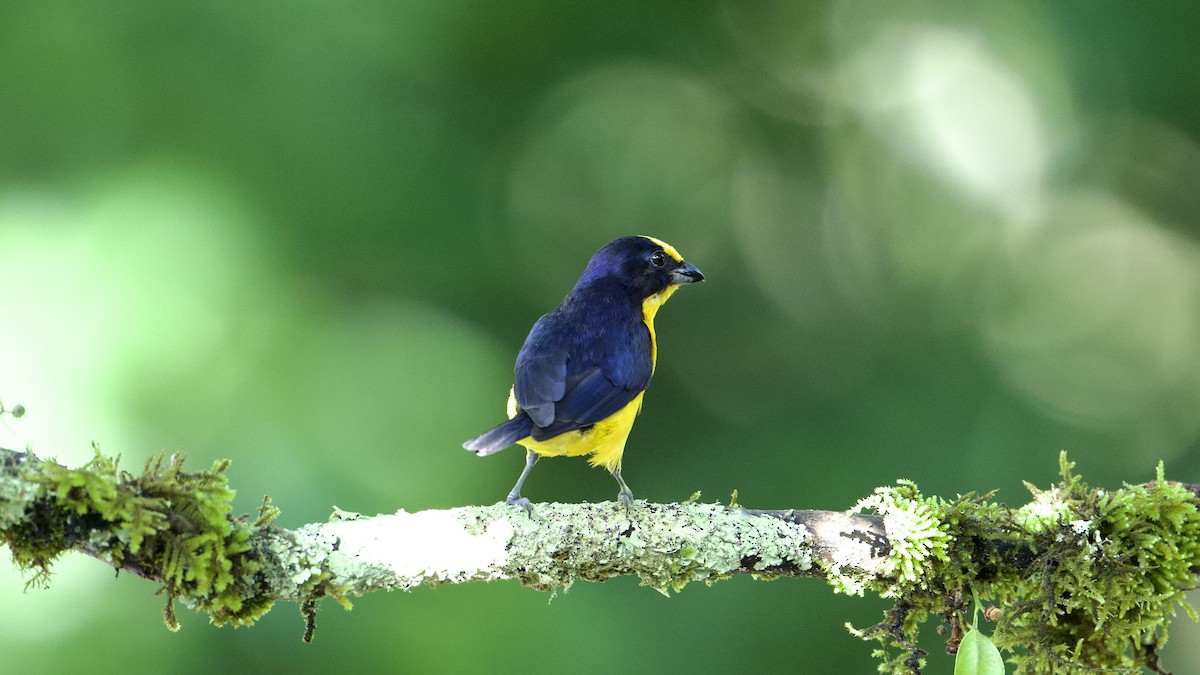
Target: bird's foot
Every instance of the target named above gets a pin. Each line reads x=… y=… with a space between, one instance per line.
x=625 y=495
x=517 y=500
x=626 y=498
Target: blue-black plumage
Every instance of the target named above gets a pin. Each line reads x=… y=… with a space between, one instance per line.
x=581 y=374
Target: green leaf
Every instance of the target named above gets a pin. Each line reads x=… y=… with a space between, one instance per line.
x=978 y=656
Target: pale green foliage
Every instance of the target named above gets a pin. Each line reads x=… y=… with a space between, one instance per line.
x=915 y=530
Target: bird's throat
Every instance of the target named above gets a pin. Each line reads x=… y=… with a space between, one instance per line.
x=649 y=308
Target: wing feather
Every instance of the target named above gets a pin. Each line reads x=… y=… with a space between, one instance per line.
x=567 y=385
x=541 y=381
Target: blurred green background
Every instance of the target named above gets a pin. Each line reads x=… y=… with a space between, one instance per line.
x=943 y=242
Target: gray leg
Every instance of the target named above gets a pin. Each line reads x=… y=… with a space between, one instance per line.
x=625 y=495
x=514 y=496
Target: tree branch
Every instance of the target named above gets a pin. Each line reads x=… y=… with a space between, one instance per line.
x=1069 y=562
x=667 y=545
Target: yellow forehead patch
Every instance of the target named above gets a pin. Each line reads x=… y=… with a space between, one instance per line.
x=669 y=249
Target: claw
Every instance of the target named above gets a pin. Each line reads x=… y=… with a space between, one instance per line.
x=625 y=495
x=514 y=497
x=517 y=500
x=626 y=498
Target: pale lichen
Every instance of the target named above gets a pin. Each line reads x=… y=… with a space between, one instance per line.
x=16 y=495
x=424 y=548
x=666 y=545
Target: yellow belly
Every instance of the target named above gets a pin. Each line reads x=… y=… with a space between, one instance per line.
x=604 y=440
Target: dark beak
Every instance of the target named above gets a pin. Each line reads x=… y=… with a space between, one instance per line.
x=686 y=273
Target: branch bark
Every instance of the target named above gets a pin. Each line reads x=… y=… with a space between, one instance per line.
x=666 y=545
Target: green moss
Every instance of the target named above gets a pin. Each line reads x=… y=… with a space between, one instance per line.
x=163 y=523
x=1087 y=579
x=917 y=532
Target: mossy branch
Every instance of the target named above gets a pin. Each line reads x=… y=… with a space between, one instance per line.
x=1082 y=579
x=176 y=528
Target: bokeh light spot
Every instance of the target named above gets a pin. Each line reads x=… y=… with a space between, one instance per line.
x=946 y=101
x=1098 y=323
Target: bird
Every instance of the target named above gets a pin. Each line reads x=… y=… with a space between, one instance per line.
x=581 y=374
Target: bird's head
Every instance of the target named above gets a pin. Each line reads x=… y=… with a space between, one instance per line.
x=644 y=265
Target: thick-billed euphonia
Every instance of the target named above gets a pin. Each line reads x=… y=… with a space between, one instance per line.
x=584 y=367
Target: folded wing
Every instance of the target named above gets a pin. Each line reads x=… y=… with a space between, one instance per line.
x=563 y=387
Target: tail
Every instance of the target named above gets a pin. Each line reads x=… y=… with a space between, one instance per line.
x=502 y=436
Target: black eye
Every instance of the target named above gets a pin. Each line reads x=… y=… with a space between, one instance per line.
x=658 y=259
